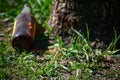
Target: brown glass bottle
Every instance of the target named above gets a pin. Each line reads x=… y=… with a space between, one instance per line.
x=24 y=30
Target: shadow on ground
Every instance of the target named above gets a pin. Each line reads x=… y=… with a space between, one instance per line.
x=40 y=45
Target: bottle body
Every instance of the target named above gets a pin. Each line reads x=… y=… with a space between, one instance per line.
x=24 y=31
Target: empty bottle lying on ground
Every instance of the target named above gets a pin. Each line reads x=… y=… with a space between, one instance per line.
x=24 y=30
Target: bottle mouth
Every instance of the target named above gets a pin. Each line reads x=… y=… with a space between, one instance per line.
x=22 y=42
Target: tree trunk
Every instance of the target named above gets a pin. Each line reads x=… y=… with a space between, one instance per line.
x=101 y=17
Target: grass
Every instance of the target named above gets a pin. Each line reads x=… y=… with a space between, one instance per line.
x=78 y=61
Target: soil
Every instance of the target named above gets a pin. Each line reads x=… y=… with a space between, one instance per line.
x=110 y=66
x=110 y=69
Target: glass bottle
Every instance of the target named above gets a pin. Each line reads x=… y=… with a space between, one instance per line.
x=24 y=30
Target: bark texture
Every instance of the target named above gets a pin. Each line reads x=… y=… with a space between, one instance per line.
x=100 y=16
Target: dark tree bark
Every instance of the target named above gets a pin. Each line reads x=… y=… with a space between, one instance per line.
x=100 y=16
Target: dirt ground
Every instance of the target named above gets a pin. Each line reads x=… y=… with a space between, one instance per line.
x=110 y=69
x=110 y=65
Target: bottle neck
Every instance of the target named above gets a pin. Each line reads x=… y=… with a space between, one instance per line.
x=26 y=9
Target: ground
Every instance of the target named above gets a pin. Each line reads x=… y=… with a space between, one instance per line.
x=110 y=69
